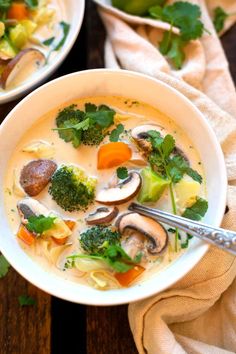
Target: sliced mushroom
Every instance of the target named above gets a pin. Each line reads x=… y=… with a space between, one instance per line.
x=140 y=135
x=28 y=207
x=102 y=215
x=29 y=58
x=152 y=230
x=36 y=175
x=121 y=192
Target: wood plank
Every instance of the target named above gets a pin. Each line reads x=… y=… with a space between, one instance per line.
x=108 y=331
x=23 y=330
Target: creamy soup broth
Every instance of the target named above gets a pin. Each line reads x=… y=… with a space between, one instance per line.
x=86 y=157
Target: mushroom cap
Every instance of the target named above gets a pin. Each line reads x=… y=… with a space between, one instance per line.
x=102 y=215
x=140 y=135
x=151 y=229
x=121 y=192
x=29 y=57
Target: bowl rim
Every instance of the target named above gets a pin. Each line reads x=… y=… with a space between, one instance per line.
x=19 y=91
x=134 y=296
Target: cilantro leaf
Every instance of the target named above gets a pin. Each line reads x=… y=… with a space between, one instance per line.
x=185 y=16
x=90 y=107
x=25 y=300
x=4 y=266
x=122 y=172
x=103 y=118
x=48 y=41
x=65 y=29
x=220 y=16
x=197 y=210
x=39 y=224
x=115 y=134
x=32 y=4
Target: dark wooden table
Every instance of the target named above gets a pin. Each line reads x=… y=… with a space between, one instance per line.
x=56 y=326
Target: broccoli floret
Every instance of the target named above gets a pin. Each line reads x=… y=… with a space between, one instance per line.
x=72 y=189
x=93 y=136
x=96 y=238
x=88 y=127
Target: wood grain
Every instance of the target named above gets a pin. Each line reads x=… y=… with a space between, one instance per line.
x=23 y=330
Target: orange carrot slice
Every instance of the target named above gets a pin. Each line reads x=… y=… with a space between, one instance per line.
x=70 y=223
x=25 y=235
x=113 y=154
x=126 y=278
x=18 y=11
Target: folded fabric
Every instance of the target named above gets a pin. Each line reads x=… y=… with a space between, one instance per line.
x=196 y=315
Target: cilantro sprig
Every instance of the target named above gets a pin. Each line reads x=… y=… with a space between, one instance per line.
x=186 y=17
x=169 y=165
x=39 y=224
x=113 y=255
x=88 y=127
x=197 y=211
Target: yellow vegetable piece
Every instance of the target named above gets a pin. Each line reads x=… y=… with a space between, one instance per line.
x=43 y=15
x=29 y=26
x=186 y=192
x=18 y=35
x=6 y=50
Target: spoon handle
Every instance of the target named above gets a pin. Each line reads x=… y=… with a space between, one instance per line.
x=224 y=239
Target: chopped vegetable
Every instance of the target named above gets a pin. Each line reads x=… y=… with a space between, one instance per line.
x=26 y=300
x=122 y=172
x=18 y=11
x=72 y=189
x=153 y=186
x=125 y=279
x=115 y=134
x=113 y=154
x=186 y=191
x=88 y=127
x=70 y=223
x=4 y=266
x=25 y=235
x=94 y=239
x=220 y=16
x=18 y=35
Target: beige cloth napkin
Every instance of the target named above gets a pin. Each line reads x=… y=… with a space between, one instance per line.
x=196 y=315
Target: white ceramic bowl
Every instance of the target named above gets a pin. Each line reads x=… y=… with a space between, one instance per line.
x=138 y=87
x=74 y=10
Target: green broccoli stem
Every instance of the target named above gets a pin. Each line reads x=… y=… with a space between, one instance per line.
x=174 y=208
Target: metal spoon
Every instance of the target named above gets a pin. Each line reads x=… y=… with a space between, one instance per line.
x=224 y=239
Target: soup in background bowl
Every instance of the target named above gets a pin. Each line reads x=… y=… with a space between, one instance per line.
x=112 y=140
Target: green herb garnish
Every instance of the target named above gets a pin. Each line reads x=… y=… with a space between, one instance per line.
x=122 y=172
x=185 y=16
x=65 y=28
x=197 y=210
x=48 y=41
x=115 y=133
x=39 y=224
x=88 y=127
x=4 y=266
x=169 y=165
x=220 y=16
x=25 y=300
